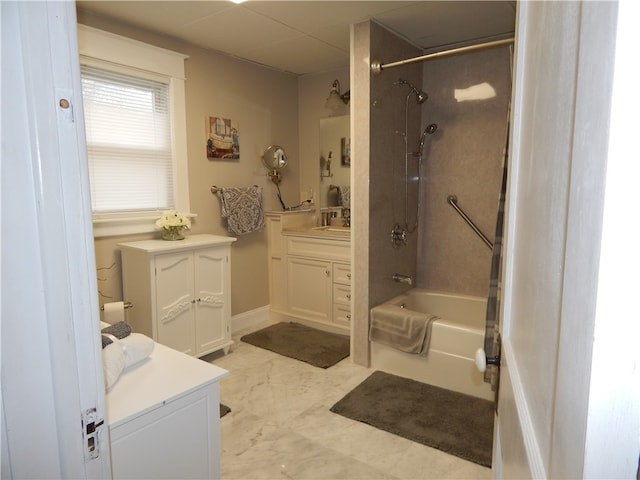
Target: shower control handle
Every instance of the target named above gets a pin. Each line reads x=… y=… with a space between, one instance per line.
x=482 y=360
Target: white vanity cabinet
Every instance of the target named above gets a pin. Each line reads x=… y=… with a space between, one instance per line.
x=180 y=291
x=276 y=223
x=163 y=417
x=318 y=279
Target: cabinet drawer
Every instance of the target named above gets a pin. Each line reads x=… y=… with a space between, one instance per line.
x=342 y=314
x=342 y=273
x=326 y=249
x=341 y=294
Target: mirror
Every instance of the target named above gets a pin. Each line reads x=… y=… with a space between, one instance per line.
x=335 y=159
x=275 y=159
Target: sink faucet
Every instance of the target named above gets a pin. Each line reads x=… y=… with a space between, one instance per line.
x=398 y=277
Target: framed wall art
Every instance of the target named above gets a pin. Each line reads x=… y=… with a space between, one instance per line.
x=222 y=139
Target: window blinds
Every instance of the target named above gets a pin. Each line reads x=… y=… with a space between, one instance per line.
x=128 y=129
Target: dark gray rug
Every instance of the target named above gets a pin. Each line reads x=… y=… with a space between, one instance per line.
x=224 y=410
x=455 y=423
x=293 y=340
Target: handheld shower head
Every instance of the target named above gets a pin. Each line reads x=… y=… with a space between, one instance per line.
x=421 y=96
x=431 y=128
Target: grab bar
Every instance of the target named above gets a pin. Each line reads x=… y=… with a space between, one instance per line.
x=453 y=201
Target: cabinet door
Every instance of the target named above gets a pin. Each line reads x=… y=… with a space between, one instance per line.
x=174 y=301
x=211 y=294
x=179 y=439
x=309 y=288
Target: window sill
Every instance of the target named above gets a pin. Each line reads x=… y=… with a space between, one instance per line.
x=110 y=227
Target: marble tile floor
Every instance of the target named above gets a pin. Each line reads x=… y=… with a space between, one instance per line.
x=280 y=426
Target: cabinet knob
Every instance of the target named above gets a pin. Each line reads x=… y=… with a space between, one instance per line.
x=328 y=272
x=193 y=301
x=349 y=316
x=348 y=296
x=349 y=276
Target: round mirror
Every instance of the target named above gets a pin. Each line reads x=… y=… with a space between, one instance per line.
x=274 y=158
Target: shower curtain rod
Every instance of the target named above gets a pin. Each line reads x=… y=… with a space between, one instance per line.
x=377 y=67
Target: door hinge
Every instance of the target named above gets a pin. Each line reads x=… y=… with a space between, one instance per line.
x=91 y=425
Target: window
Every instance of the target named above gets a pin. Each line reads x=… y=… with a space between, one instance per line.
x=128 y=142
x=133 y=96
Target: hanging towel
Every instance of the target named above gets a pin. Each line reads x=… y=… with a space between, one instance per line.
x=402 y=329
x=344 y=196
x=242 y=207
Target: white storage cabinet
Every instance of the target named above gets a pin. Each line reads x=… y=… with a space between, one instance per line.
x=180 y=291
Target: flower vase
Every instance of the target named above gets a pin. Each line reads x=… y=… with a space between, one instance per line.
x=172 y=234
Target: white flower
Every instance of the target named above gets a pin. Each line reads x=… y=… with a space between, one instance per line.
x=172 y=220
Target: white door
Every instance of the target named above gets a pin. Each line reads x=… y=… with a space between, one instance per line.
x=554 y=419
x=51 y=359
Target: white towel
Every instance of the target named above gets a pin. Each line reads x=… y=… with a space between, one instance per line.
x=124 y=353
x=112 y=363
x=400 y=328
x=242 y=207
x=136 y=348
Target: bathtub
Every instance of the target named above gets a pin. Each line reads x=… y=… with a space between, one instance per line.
x=455 y=337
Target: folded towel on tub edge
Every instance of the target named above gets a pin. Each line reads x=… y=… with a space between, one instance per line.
x=402 y=329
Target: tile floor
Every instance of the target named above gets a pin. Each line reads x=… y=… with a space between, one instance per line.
x=280 y=426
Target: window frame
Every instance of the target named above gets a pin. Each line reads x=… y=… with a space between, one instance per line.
x=113 y=52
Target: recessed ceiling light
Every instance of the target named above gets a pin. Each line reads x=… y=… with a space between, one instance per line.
x=237 y=1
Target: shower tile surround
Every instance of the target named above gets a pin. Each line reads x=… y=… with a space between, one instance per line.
x=463 y=157
x=280 y=425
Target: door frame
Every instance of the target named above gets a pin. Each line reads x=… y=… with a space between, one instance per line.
x=593 y=428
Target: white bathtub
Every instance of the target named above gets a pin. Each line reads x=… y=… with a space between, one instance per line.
x=450 y=362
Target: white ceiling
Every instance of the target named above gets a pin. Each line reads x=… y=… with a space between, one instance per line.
x=304 y=37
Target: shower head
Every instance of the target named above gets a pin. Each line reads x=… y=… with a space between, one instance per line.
x=431 y=128
x=421 y=96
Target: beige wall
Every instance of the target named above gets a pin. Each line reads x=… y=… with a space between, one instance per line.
x=265 y=104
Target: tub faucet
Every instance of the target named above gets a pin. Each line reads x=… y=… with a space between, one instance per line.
x=398 y=277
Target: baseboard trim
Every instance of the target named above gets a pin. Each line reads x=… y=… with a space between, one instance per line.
x=249 y=319
x=536 y=464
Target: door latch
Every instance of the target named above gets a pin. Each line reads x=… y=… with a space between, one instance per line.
x=91 y=425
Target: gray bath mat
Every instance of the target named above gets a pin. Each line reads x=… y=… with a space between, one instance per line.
x=455 y=423
x=293 y=340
